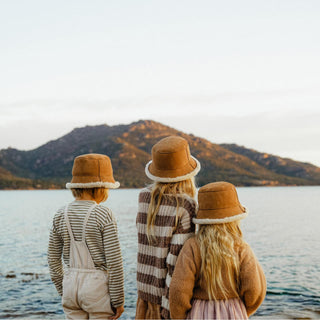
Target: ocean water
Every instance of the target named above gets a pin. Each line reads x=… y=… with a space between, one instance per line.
x=282 y=228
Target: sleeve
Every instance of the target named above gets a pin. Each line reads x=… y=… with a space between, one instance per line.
x=55 y=258
x=182 y=283
x=252 y=281
x=114 y=263
x=185 y=229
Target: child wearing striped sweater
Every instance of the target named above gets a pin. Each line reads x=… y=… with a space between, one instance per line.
x=164 y=223
x=85 y=234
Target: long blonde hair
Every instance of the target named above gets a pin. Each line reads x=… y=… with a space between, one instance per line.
x=219 y=259
x=159 y=191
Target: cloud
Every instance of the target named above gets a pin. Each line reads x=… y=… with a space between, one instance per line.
x=222 y=103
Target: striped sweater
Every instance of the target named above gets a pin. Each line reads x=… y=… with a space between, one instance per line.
x=156 y=262
x=101 y=239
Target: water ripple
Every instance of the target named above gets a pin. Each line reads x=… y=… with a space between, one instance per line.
x=286 y=245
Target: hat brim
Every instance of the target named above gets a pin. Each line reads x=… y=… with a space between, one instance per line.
x=222 y=220
x=89 y=185
x=173 y=179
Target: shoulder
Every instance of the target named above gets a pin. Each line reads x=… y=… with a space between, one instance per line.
x=188 y=203
x=104 y=214
x=192 y=242
x=185 y=197
x=189 y=200
x=145 y=195
x=246 y=253
x=191 y=252
x=191 y=246
x=59 y=215
x=60 y=211
x=58 y=220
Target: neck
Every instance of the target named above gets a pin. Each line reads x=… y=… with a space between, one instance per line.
x=86 y=197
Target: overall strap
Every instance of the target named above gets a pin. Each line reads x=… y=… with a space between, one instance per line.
x=83 y=237
x=68 y=222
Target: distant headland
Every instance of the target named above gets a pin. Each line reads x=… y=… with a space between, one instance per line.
x=129 y=147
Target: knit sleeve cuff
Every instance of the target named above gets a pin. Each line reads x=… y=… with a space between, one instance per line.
x=118 y=303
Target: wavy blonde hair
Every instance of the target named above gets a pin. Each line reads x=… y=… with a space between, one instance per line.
x=219 y=259
x=160 y=190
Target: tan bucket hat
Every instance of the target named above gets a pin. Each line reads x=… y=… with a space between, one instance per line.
x=218 y=203
x=92 y=171
x=171 y=161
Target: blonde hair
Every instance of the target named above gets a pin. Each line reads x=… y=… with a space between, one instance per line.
x=160 y=190
x=219 y=259
x=95 y=193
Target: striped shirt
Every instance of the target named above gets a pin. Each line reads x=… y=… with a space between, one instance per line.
x=156 y=262
x=101 y=239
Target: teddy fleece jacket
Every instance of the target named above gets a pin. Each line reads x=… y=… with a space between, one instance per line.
x=185 y=284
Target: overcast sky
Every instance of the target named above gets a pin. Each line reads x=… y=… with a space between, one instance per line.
x=245 y=72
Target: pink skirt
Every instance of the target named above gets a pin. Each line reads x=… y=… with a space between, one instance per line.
x=218 y=309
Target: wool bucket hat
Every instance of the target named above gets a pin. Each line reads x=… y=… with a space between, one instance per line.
x=172 y=161
x=218 y=203
x=92 y=171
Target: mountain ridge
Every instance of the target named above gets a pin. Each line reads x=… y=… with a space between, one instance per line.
x=129 y=147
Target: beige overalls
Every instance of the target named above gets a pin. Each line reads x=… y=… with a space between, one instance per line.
x=85 y=288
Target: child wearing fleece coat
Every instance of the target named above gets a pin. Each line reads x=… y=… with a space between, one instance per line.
x=217 y=275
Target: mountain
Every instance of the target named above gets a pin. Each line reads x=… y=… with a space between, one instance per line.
x=283 y=166
x=129 y=147
x=9 y=181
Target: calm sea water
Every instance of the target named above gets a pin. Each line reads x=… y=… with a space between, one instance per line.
x=282 y=228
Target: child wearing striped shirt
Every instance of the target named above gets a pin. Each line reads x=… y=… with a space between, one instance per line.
x=164 y=223
x=85 y=234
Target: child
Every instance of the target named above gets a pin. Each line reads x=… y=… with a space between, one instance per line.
x=217 y=276
x=85 y=233
x=164 y=223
